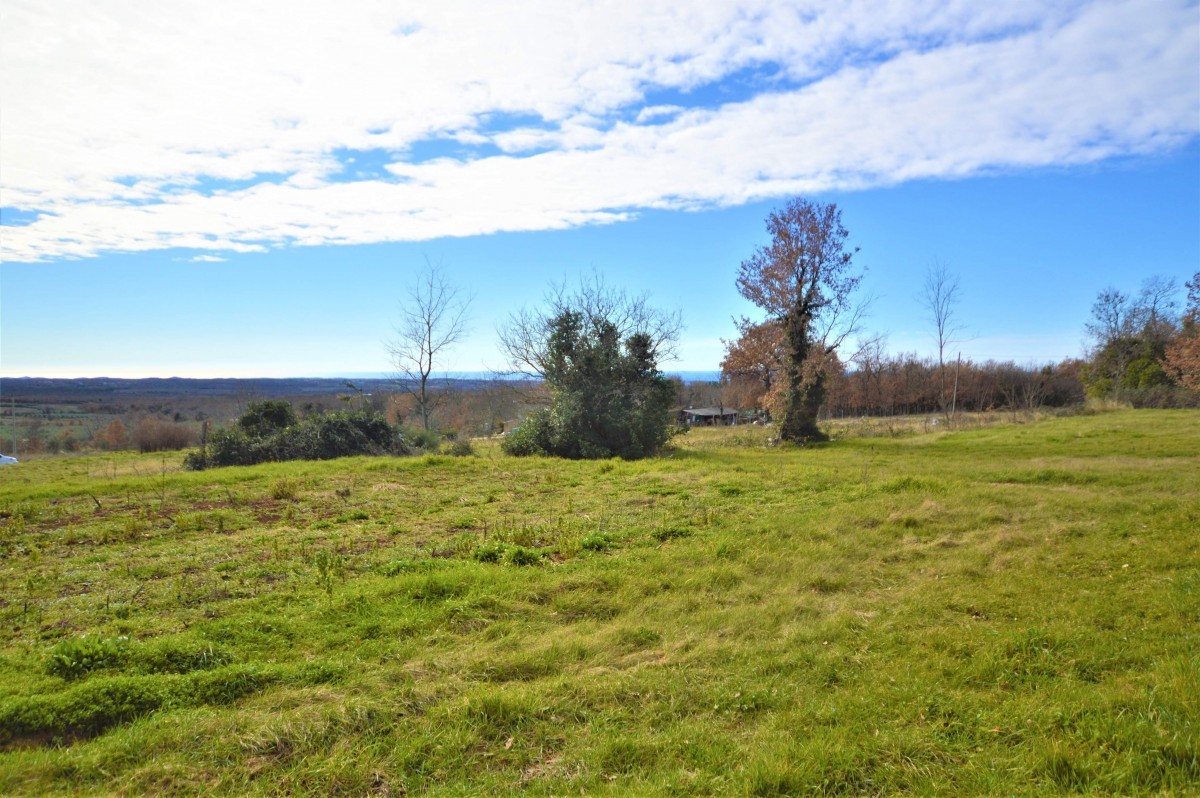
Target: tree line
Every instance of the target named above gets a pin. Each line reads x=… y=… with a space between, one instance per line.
x=790 y=363
x=596 y=351
x=592 y=357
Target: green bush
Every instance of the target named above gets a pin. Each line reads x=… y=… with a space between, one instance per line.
x=284 y=489
x=76 y=657
x=671 y=532
x=608 y=398
x=419 y=439
x=596 y=541
x=263 y=419
x=489 y=552
x=270 y=433
x=519 y=555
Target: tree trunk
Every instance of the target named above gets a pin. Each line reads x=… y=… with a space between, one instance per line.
x=804 y=393
x=423 y=401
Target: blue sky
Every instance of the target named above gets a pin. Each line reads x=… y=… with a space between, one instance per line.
x=250 y=193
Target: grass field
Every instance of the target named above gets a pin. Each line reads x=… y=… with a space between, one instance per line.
x=1013 y=610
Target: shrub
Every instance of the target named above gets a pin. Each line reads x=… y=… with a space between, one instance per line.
x=262 y=419
x=176 y=656
x=461 y=448
x=596 y=541
x=284 y=489
x=608 y=398
x=519 y=555
x=103 y=702
x=489 y=552
x=112 y=437
x=258 y=438
x=419 y=439
x=671 y=532
x=154 y=435
x=532 y=437
x=76 y=657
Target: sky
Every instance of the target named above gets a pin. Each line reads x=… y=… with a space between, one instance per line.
x=213 y=188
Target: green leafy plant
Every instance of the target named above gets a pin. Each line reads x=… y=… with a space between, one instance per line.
x=519 y=555
x=76 y=657
x=331 y=568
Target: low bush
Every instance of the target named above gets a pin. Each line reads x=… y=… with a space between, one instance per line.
x=154 y=435
x=489 y=552
x=460 y=448
x=176 y=656
x=596 y=541
x=608 y=398
x=76 y=657
x=272 y=434
x=284 y=489
x=419 y=439
x=519 y=555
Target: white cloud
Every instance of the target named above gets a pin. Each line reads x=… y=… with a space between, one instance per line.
x=124 y=124
x=207 y=259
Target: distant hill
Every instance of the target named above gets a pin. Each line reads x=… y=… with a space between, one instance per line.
x=107 y=388
x=102 y=388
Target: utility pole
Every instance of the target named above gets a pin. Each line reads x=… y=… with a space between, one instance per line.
x=954 y=401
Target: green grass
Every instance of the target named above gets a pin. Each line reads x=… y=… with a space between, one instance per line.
x=1007 y=610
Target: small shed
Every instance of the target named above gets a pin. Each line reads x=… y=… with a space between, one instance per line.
x=709 y=416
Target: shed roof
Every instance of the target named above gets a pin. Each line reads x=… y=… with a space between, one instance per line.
x=711 y=411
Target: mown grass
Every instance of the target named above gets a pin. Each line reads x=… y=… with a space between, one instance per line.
x=1011 y=610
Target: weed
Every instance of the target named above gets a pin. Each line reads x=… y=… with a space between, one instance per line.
x=490 y=552
x=519 y=555
x=285 y=489
x=331 y=568
x=672 y=532
x=596 y=541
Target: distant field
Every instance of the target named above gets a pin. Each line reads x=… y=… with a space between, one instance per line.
x=1010 y=610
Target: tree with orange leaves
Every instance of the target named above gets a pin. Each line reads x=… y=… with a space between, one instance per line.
x=805 y=281
x=1183 y=354
x=753 y=362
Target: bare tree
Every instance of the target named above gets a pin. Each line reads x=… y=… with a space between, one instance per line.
x=525 y=337
x=1156 y=308
x=870 y=361
x=1112 y=317
x=940 y=296
x=432 y=321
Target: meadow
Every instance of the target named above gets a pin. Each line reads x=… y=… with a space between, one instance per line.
x=1007 y=610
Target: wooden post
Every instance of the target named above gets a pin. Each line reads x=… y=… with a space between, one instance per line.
x=954 y=400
